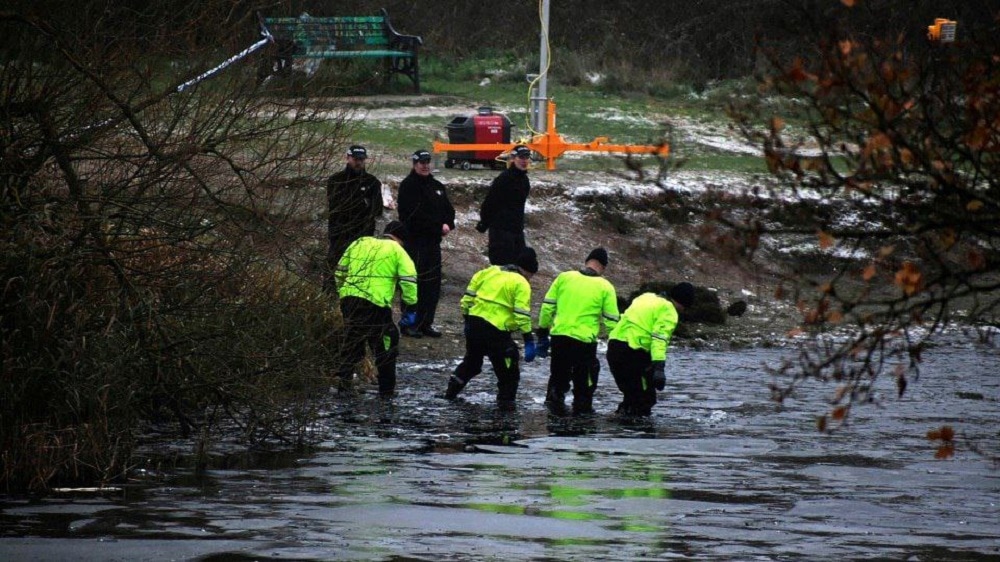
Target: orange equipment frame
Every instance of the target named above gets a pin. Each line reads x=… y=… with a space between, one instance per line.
x=551 y=145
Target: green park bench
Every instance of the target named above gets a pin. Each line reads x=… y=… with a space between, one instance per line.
x=341 y=37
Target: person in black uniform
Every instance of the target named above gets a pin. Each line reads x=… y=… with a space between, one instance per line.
x=354 y=203
x=424 y=208
x=502 y=213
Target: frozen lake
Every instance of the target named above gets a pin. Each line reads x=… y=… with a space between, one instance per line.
x=716 y=473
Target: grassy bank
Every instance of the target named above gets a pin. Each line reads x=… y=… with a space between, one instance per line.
x=588 y=106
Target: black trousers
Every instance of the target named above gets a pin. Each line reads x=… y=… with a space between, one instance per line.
x=574 y=362
x=367 y=324
x=485 y=340
x=504 y=246
x=632 y=370
x=426 y=256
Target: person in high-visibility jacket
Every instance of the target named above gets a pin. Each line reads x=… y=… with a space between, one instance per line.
x=637 y=346
x=575 y=306
x=367 y=276
x=497 y=303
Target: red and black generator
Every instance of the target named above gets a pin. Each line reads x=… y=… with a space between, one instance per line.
x=482 y=128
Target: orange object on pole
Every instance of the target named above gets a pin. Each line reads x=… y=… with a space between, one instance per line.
x=551 y=145
x=942 y=31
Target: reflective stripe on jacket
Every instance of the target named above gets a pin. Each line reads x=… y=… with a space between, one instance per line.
x=501 y=296
x=370 y=269
x=647 y=324
x=576 y=304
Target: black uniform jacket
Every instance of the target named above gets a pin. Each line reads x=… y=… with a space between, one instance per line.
x=503 y=208
x=354 y=200
x=424 y=206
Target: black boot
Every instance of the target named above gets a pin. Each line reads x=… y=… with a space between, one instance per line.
x=583 y=401
x=555 y=401
x=455 y=385
x=410 y=331
x=583 y=407
x=507 y=394
x=506 y=404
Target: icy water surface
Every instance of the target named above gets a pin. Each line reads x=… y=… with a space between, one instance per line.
x=716 y=474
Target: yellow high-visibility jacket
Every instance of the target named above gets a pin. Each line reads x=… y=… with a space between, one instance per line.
x=501 y=296
x=370 y=269
x=576 y=304
x=647 y=324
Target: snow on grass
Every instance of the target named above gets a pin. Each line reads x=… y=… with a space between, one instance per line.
x=631 y=117
x=400 y=113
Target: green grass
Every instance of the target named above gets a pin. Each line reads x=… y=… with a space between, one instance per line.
x=584 y=112
x=733 y=163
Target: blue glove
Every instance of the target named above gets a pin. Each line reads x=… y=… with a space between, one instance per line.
x=409 y=320
x=529 y=351
x=543 y=345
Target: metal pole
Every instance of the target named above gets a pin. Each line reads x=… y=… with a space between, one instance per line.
x=539 y=100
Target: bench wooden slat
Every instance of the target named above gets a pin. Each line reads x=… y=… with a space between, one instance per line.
x=326 y=20
x=352 y=54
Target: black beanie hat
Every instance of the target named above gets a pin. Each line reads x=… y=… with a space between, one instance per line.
x=682 y=294
x=527 y=260
x=599 y=254
x=396 y=229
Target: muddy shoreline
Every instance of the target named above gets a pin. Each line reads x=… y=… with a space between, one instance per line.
x=563 y=225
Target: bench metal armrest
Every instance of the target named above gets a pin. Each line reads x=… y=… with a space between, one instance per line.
x=398 y=40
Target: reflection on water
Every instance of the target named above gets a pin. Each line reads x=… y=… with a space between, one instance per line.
x=718 y=473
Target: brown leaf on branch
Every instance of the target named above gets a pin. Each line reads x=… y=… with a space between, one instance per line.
x=869 y=272
x=945 y=451
x=878 y=142
x=978 y=137
x=909 y=279
x=976 y=259
x=826 y=240
x=798 y=74
x=944 y=433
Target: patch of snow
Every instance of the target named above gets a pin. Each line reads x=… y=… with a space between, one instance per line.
x=849 y=253
x=397 y=113
x=614 y=114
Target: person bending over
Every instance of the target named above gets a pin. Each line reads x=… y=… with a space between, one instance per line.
x=496 y=304
x=637 y=346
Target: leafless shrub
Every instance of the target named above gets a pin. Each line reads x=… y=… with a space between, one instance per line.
x=156 y=261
